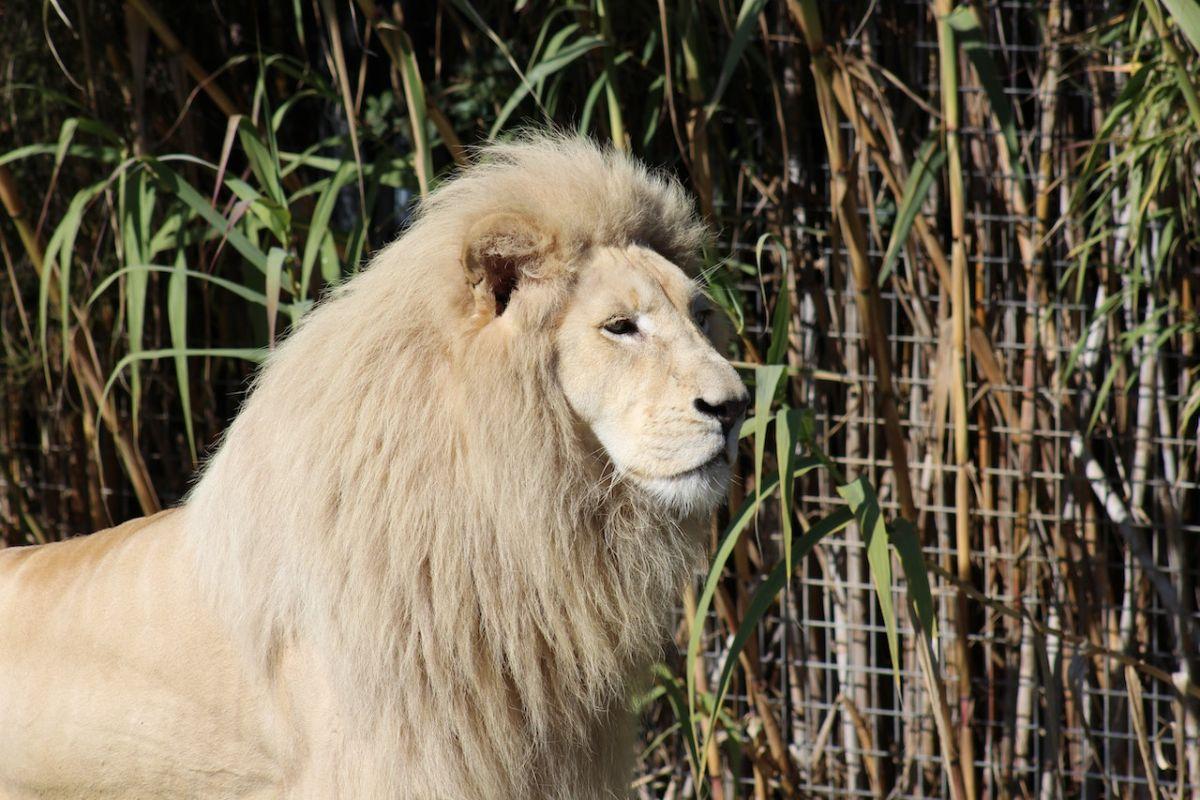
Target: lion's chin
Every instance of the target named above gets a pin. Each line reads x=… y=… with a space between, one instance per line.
x=697 y=491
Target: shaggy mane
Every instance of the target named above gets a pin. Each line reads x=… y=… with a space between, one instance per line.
x=410 y=498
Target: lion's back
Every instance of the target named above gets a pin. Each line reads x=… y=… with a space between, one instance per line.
x=105 y=652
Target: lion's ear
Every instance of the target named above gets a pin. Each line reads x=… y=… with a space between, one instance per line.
x=500 y=250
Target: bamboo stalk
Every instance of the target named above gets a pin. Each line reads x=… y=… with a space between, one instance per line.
x=845 y=208
x=960 y=301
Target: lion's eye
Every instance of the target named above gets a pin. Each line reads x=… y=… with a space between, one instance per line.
x=621 y=326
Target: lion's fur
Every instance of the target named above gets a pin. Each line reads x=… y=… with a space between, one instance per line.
x=407 y=494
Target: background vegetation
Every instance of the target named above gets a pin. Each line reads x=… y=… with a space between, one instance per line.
x=958 y=243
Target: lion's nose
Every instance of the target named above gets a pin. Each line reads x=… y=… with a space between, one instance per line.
x=727 y=412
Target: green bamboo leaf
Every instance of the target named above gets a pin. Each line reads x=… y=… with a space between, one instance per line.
x=746 y=23
x=778 y=346
x=274 y=272
x=589 y=103
x=1186 y=14
x=177 y=322
x=252 y=354
x=766 y=381
x=137 y=199
x=180 y=188
x=682 y=711
x=928 y=163
x=331 y=267
x=544 y=69
x=264 y=166
x=916 y=574
x=241 y=291
x=787 y=434
x=414 y=97
x=1189 y=409
x=65 y=134
x=860 y=496
x=60 y=253
x=319 y=226
x=1100 y=403
x=780 y=320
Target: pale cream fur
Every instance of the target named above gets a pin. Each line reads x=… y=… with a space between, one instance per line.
x=438 y=546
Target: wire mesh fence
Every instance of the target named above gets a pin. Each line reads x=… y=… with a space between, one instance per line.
x=1076 y=593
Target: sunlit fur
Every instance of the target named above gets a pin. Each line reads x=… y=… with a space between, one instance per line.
x=407 y=496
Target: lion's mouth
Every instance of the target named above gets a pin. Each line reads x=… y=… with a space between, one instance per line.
x=718 y=461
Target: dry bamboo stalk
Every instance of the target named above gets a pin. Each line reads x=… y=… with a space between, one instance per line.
x=1137 y=715
x=845 y=208
x=850 y=643
x=87 y=372
x=959 y=315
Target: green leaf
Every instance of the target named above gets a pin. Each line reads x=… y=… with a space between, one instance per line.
x=252 y=354
x=766 y=381
x=319 y=226
x=241 y=291
x=1186 y=14
x=65 y=134
x=778 y=346
x=264 y=166
x=274 y=272
x=589 y=103
x=737 y=524
x=908 y=546
x=860 y=496
x=183 y=190
x=137 y=208
x=418 y=107
x=177 y=322
x=60 y=252
x=930 y=159
x=682 y=711
x=787 y=432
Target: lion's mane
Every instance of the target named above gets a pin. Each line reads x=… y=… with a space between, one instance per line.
x=408 y=495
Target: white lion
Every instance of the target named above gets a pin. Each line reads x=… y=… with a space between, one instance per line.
x=438 y=546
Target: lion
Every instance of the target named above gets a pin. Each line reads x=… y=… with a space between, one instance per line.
x=438 y=547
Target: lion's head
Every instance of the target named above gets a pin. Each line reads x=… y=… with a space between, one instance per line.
x=632 y=354
x=473 y=462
